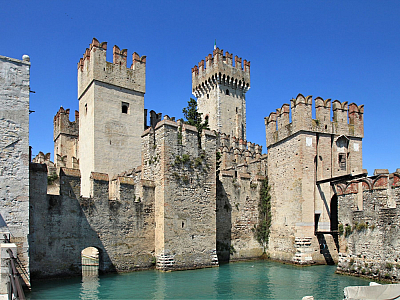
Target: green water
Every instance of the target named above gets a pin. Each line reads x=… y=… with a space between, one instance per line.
x=244 y=280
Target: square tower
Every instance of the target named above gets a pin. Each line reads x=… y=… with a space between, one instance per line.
x=111 y=105
x=220 y=88
x=304 y=156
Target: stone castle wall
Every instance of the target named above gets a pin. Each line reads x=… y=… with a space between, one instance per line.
x=302 y=152
x=111 y=106
x=122 y=229
x=242 y=170
x=184 y=177
x=369 y=214
x=14 y=154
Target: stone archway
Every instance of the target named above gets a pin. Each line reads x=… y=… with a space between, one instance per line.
x=90 y=261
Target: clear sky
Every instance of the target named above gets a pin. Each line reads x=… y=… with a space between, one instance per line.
x=344 y=50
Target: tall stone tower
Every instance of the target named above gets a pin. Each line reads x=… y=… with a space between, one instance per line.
x=304 y=156
x=66 y=137
x=220 y=88
x=111 y=106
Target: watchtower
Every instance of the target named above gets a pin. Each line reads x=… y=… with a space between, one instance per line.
x=220 y=88
x=66 y=137
x=304 y=156
x=111 y=106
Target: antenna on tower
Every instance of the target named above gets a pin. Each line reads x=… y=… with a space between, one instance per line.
x=215 y=44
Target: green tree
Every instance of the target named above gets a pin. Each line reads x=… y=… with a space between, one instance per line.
x=193 y=117
x=262 y=229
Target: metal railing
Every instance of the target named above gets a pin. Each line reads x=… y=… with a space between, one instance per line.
x=19 y=265
x=15 y=288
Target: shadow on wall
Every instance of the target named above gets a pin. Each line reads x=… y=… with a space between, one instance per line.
x=224 y=224
x=324 y=249
x=60 y=230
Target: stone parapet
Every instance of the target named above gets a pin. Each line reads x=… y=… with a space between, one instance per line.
x=93 y=66
x=219 y=69
x=347 y=119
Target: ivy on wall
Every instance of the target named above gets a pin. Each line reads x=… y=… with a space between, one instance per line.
x=262 y=229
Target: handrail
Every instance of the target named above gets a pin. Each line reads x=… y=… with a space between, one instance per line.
x=14 y=279
x=22 y=270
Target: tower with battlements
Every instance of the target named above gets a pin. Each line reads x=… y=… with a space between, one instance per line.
x=304 y=157
x=220 y=87
x=111 y=106
x=66 y=137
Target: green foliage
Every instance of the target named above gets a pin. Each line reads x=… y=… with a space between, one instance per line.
x=185 y=158
x=232 y=250
x=262 y=229
x=218 y=162
x=51 y=178
x=389 y=266
x=193 y=117
x=361 y=226
x=341 y=229
x=347 y=230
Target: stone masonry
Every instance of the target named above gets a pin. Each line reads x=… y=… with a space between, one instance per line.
x=369 y=216
x=169 y=197
x=111 y=105
x=220 y=88
x=14 y=154
x=301 y=153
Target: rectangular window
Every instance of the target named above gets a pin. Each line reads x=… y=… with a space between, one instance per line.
x=342 y=161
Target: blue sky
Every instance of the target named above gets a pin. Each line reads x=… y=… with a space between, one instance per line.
x=344 y=50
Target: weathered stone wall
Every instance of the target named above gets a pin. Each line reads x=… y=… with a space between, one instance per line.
x=220 y=88
x=111 y=105
x=14 y=154
x=185 y=193
x=369 y=214
x=63 y=225
x=242 y=168
x=238 y=196
x=300 y=153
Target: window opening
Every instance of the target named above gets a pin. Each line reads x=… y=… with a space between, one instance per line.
x=342 y=161
x=125 y=107
x=227 y=92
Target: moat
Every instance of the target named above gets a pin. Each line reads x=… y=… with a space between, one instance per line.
x=243 y=280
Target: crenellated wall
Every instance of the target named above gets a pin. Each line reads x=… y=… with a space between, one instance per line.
x=220 y=88
x=347 y=119
x=243 y=167
x=66 y=137
x=369 y=216
x=183 y=173
x=121 y=228
x=303 y=154
x=111 y=106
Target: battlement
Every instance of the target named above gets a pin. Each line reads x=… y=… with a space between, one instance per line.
x=93 y=66
x=219 y=68
x=235 y=151
x=347 y=119
x=62 y=124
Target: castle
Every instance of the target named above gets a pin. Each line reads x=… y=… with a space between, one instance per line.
x=156 y=193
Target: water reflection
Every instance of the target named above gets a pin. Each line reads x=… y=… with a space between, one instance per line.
x=90 y=288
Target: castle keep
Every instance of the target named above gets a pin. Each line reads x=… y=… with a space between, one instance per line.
x=162 y=194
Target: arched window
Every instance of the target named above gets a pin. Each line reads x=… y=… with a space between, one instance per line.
x=125 y=107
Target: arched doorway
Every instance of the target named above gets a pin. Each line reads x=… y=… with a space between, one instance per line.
x=90 y=261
